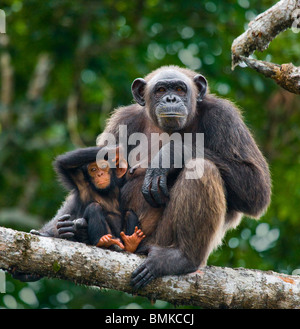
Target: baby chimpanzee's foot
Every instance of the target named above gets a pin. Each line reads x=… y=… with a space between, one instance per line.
x=131 y=242
x=106 y=241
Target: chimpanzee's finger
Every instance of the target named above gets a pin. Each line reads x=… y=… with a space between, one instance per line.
x=163 y=185
x=68 y=223
x=146 y=191
x=64 y=217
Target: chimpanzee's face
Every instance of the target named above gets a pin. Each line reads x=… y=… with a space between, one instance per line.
x=170 y=98
x=100 y=175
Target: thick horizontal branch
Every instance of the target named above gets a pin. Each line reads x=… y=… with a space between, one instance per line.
x=209 y=287
x=264 y=28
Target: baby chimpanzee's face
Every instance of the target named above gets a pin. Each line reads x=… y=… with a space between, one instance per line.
x=100 y=175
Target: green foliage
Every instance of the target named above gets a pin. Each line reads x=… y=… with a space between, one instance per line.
x=96 y=49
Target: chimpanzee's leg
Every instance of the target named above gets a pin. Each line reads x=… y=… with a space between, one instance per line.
x=97 y=226
x=99 y=231
x=191 y=226
x=131 y=221
x=133 y=235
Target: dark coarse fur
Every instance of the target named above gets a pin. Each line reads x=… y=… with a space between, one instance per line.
x=236 y=181
x=99 y=207
x=182 y=231
x=88 y=212
x=69 y=171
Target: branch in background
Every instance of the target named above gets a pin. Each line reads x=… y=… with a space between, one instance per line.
x=262 y=30
x=16 y=217
x=80 y=61
x=286 y=75
x=72 y=119
x=209 y=287
x=7 y=73
x=7 y=82
x=29 y=192
x=40 y=78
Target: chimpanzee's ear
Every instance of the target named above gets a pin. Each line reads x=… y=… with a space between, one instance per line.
x=138 y=90
x=201 y=84
x=121 y=163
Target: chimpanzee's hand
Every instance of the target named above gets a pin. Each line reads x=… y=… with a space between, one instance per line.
x=65 y=227
x=155 y=188
x=161 y=261
x=72 y=229
x=147 y=271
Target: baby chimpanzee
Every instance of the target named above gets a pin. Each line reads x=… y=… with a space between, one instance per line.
x=95 y=192
x=92 y=212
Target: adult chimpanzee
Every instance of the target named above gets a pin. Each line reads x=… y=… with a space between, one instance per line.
x=184 y=220
x=194 y=214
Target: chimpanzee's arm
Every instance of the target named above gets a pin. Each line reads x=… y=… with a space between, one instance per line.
x=65 y=224
x=67 y=165
x=230 y=146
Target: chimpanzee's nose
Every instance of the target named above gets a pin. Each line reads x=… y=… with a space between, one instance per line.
x=170 y=99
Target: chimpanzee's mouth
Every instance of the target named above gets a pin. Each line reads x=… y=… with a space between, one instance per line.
x=171 y=115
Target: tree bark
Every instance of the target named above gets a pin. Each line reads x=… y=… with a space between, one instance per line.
x=286 y=75
x=209 y=287
x=261 y=31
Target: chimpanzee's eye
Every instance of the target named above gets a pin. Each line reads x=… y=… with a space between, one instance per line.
x=180 y=89
x=161 y=90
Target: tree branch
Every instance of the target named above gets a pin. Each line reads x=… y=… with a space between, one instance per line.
x=209 y=287
x=286 y=75
x=40 y=77
x=261 y=31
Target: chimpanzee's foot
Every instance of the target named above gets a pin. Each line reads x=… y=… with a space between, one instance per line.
x=107 y=241
x=131 y=242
